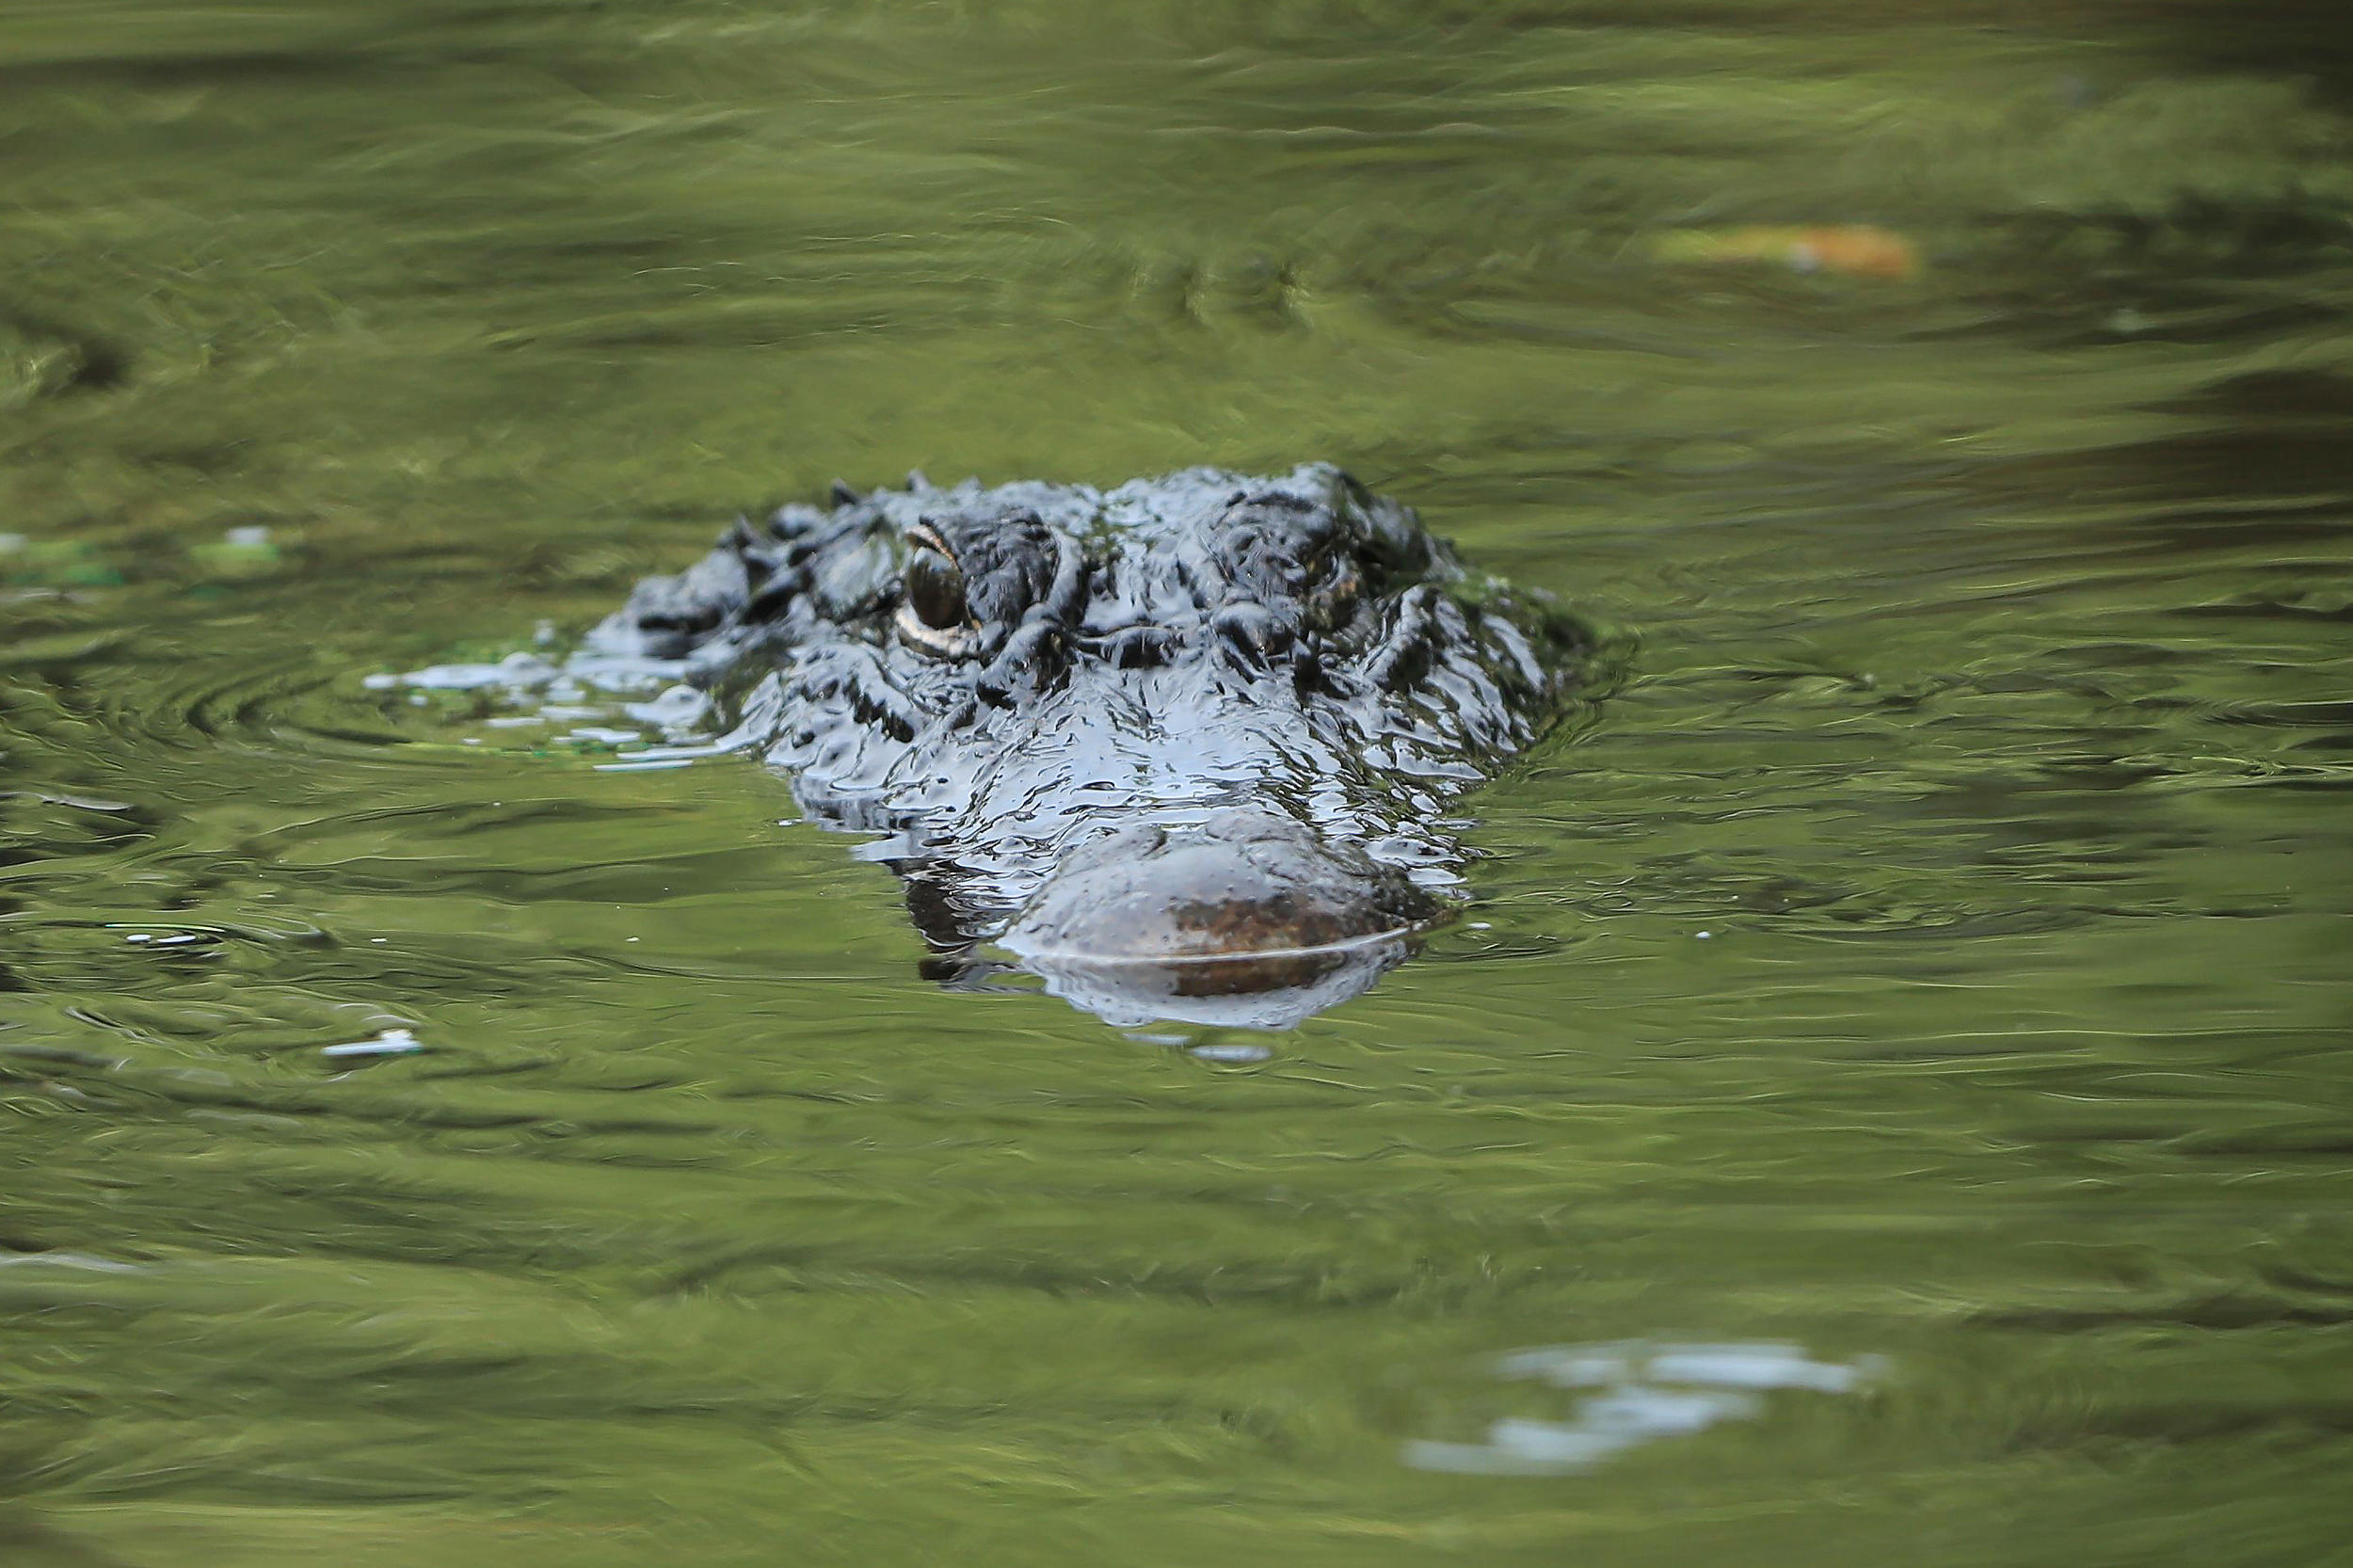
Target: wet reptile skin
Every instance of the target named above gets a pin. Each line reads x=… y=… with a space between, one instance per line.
x=1194 y=717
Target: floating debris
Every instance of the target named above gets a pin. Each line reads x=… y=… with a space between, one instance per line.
x=1848 y=249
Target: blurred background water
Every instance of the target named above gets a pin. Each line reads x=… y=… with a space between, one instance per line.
x=1889 y=1105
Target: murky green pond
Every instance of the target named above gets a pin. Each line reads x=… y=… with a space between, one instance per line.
x=1889 y=1105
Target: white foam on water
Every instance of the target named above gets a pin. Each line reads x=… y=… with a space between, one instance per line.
x=1641 y=1393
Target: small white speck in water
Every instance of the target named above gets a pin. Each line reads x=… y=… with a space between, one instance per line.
x=1233 y=1053
x=391 y=1042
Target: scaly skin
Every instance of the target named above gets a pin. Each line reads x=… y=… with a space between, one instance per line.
x=1264 y=689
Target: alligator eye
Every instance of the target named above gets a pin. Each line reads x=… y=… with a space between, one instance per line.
x=934 y=590
x=932 y=614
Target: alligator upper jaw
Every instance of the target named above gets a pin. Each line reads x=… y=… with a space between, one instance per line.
x=1248 y=918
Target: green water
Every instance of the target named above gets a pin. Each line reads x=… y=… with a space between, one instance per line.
x=1933 y=957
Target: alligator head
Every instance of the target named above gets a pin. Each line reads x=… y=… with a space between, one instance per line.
x=1182 y=747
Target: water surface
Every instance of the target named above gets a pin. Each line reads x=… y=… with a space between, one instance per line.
x=1928 y=968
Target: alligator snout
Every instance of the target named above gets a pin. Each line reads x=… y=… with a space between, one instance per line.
x=1246 y=917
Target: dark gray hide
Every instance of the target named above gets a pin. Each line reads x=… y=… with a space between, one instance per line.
x=1184 y=745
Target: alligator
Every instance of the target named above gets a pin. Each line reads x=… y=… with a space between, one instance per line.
x=1183 y=748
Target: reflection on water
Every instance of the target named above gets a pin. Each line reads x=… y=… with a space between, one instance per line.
x=1275 y=989
x=1649 y=1392
x=1985 y=702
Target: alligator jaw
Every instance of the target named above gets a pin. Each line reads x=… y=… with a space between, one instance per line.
x=1246 y=918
